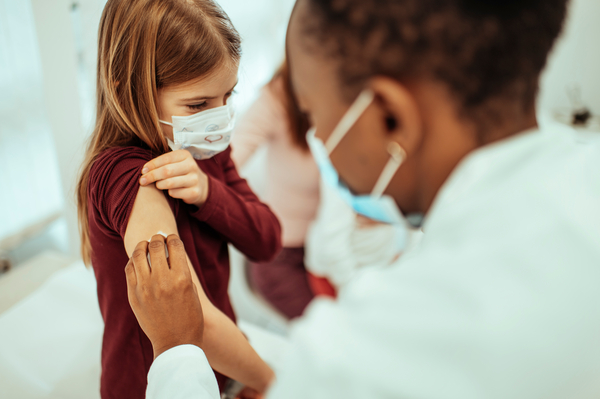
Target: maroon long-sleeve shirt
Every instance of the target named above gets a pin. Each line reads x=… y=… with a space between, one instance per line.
x=232 y=214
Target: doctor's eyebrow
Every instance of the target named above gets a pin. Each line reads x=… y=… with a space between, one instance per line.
x=200 y=98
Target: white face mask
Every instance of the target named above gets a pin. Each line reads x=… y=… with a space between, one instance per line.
x=204 y=134
x=376 y=206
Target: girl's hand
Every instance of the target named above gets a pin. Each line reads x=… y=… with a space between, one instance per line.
x=178 y=173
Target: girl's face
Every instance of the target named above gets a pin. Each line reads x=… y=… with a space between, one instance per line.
x=196 y=96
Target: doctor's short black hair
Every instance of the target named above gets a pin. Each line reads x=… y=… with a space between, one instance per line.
x=489 y=53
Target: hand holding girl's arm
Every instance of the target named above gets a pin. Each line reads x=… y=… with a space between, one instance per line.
x=226 y=348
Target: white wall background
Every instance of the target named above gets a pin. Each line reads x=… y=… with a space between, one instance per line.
x=29 y=170
x=575 y=60
x=47 y=78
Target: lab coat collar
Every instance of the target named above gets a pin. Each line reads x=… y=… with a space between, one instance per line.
x=476 y=166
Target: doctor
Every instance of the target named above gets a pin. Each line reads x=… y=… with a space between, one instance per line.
x=431 y=103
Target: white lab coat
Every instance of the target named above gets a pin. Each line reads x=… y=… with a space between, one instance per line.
x=182 y=372
x=500 y=300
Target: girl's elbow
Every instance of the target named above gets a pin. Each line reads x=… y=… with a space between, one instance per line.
x=272 y=249
x=267 y=249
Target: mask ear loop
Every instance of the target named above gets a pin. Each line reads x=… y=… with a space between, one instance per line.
x=397 y=157
x=354 y=112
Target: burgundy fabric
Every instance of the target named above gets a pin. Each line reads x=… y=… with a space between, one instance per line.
x=283 y=282
x=232 y=213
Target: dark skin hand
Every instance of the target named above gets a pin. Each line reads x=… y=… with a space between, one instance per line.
x=163 y=297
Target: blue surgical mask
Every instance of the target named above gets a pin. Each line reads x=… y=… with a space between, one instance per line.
x=375 y=206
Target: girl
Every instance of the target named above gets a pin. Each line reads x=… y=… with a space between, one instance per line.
x=166 y=69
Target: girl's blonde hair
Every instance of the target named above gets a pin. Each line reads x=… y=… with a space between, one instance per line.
x=145 y=45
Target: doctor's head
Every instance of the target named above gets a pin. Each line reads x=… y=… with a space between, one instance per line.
x=439 y=78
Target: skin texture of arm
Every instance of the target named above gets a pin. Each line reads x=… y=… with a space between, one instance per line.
x=227 y=350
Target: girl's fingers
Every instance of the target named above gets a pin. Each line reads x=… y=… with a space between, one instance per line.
x=165 y=159
x=189 y=195
x=185 y=194
x=178 y=192
x=186 y=181
x=165 y=172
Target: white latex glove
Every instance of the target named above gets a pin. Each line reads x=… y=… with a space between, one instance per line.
x=339 y=242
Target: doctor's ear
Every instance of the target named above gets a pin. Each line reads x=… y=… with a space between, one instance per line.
x=399 y=111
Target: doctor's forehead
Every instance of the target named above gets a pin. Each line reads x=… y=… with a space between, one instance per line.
x=312 y=73
x=293 y=45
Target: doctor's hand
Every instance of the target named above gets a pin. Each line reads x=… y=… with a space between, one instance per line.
x=177 y=172
x=163 y=297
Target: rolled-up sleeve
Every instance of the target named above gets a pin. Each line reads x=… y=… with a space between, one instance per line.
x=235 y=211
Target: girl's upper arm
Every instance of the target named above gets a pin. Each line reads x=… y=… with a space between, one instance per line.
x=151 y=213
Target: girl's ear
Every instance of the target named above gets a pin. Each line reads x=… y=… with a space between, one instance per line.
x=400 y=113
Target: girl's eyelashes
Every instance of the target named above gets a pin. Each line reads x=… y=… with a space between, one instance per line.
x=200 y=106
x=196 y=107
